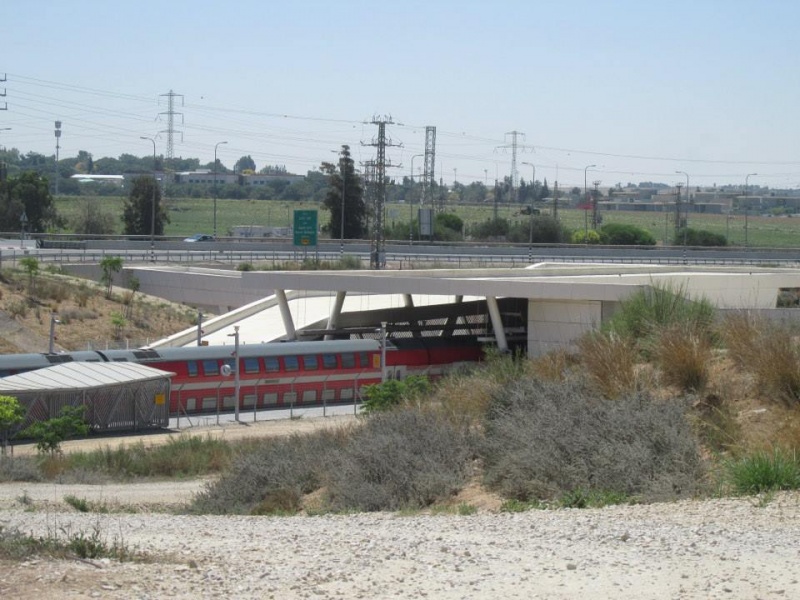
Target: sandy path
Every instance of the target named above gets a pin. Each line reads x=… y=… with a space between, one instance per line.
x=730 y=548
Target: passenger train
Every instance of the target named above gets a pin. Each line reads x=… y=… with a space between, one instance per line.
x=277 y=374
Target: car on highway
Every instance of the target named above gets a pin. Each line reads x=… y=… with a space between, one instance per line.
x=200 y=237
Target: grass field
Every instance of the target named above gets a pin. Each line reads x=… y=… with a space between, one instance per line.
x=196 y=215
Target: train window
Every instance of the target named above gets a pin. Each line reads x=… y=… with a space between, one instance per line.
x=251 y=365
x=270 y=399
x=309 y=396
x=328 y=395
x=249 y=400
x=210 y=367
x=291 y=363
x=289 y=397
x=329 y=361
x=348 y=360
x=310 y=363
x=363 y=358
x=191 y=366
x=271 y=363
x=346 y=394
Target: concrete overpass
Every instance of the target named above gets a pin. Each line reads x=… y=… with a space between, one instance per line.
x=561 y=302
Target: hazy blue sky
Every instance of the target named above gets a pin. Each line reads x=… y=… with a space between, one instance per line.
x=640 y=88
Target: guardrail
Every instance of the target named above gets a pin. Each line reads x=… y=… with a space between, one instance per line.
x=407 y=259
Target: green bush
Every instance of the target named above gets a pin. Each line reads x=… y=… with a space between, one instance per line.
x=389 y=394
x=582 y=236
x=545 y=441
x=619 y=234
x=698 y=237
x=643 y=314
x=764 y=472
x=50 y=434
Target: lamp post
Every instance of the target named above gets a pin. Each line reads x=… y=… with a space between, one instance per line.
x=585 y=213
x=58 y=137
x=343 y=169
x=236 y=384
x=153 y=204
x=53 y=322
x=411 y=204
x=746 y=186
x=217 y=145
x=530 y=217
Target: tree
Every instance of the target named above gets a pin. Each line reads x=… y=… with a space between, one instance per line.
x=354 y=207
x=137 y=212
x=31 y=266
x=93 y=220
x=30 y=194
x=133 y=286
x=109 y=265
x=246 y=163
x=11 y=415
x=50 y=434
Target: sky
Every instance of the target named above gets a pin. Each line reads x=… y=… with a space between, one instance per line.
x=642 y=90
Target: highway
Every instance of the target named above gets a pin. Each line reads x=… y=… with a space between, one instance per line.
x=398 y=255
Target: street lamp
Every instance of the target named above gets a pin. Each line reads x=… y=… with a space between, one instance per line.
x=585 y=213
x=215 y=186
x=746 y=185
x=411 y=204
x=530 y=219
x=153 y=204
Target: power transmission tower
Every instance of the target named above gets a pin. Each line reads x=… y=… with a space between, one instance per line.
x=170 y=130
x=514 y=145
x=377 y=255
x=430 y=164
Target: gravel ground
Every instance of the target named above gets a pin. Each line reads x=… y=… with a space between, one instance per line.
x=730 y=548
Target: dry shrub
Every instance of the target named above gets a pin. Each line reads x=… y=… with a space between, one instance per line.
x=740 y=331
x=766 y=349
x=553 y=366
x=399 y=460
x=273 y=476
x=610 y=361
x=544 y=440
x=464 y=396
x=683 y=356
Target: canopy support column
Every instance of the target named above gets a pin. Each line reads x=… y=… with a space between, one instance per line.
x=333 y=318
x=286 y=315
x=497 y=323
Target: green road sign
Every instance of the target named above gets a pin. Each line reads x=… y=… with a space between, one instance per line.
x=305 y=228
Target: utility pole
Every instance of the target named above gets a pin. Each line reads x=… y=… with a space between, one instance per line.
x=58 y=139
x=170 y=112
x=429 y=169
x=377 y=255
x=678 y=212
